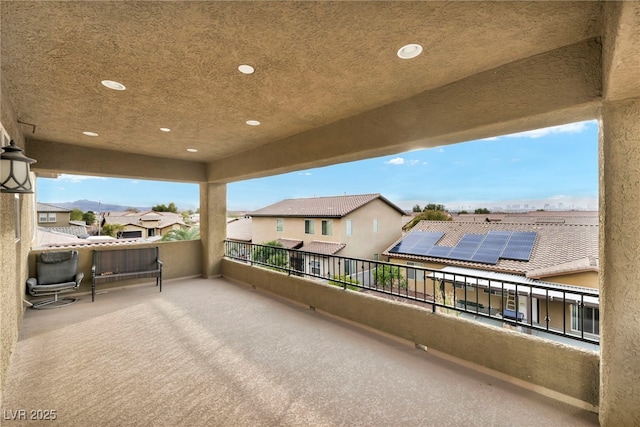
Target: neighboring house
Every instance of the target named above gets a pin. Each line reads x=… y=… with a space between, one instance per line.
x=52 y=216
x=144 y=225
x=239 y=229
x=562 y=256
x=358 y=226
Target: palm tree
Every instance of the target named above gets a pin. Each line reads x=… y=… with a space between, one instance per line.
x=192 y=233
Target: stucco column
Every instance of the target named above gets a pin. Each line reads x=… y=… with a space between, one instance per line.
x=213 y=226
x=620 y=263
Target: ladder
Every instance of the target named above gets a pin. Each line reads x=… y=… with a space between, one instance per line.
x=511 y=301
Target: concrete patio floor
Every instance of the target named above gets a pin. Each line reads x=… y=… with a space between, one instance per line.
x=209 y=352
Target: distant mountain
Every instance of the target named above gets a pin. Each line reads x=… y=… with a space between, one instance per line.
x=90 y=205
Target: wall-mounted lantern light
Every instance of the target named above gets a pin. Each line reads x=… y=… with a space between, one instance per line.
x=14 y=170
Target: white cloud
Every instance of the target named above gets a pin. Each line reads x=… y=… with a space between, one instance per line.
x=440 y=150
x=395 y=161
x=77 y=178
x=402 y=161
x=539 y=133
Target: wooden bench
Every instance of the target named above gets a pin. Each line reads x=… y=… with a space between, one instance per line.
x=122 y=264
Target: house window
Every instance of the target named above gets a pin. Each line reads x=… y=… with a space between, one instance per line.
x=349 y=227
x=375 y=225
x=152 y=232
x=309 y=226
x=411 y=272
x=376 y=257
x=279 y=224
x=350 y=267
x=315 y=267
x=46 y=217
x=590 y=319
x=327 y=227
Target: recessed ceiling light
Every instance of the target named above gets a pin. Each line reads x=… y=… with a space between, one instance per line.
x=90 y=133
x=253 y=123
x=192 y=150
x=246 y=69
x=113 y=85
x=165 y=129
x=409 y=51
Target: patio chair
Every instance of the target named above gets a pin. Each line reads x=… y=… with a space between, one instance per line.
x=57 y=273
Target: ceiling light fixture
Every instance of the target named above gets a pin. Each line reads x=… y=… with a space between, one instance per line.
x=246 y=69
x=14 y=170
x=113 y=85
x=165 y=129
x=90 y=133
x=192 y=150
x=409 y=51
x=253 y=123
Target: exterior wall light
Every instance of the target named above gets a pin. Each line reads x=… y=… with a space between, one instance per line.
x=14 y=170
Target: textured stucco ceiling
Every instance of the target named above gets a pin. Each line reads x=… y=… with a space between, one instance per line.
x=316 y=63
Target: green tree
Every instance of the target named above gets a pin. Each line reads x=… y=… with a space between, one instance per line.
x=76 y=215
x=417 y=208
x=272 y=254
x=89 y=217
x=434 y=207
x=389 y=277
x=133 y=210
x=482 y=211
x=112 y=229
x=185 y=233
x=428 y=216
x=462 y=212
x=163 y=208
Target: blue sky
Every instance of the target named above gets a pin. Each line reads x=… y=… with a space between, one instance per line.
x=555 y=166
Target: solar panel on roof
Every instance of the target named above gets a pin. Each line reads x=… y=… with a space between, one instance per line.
x=417 y=242
x=439 y=251
x=520 y=246
x=482 y=248
x=491 y=247
x=466 y=247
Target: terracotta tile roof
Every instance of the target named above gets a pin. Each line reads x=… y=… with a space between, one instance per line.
x=535 y=217
x=76 y=230
x=290 y=243
x=144 y=219
x=324 y=248
x=321 y=207
x=556 y=244
x=47 y=207
x=239 y=229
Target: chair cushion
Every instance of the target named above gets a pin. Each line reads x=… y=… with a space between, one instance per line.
x=35 y=289
x=56 y=269
x=55 y=257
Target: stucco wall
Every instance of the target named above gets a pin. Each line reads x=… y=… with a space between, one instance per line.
x=13 y=270
x=13 y=254
x=564 y=369
x=363 y=243
x=180 y=259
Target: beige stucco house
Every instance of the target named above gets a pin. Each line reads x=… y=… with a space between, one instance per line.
x=52 y=216
x=144 y=225
x=486 y=69
x=562 y=256
x=358 y=226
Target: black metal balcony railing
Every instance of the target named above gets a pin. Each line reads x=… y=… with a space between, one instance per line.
x=529 y=306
